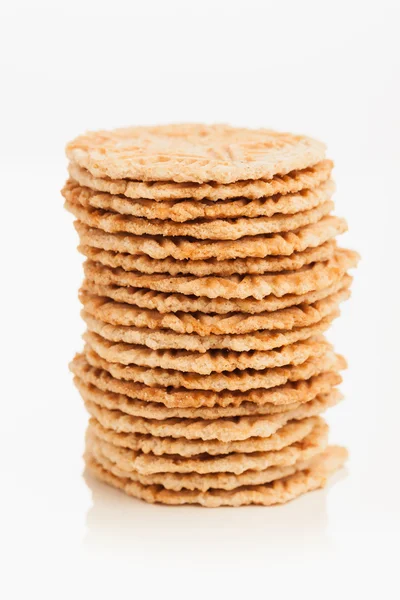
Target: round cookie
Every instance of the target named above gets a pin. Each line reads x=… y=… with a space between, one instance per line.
x=313 y=277
x=239 y=380
x=168 y=304
x=165 y=191
x=307 y=478
x=212 y=361
x=183 y=248
x=182 y=211
x=297 y=385
x=201 y=229
x=191 y=152
x=214 y=326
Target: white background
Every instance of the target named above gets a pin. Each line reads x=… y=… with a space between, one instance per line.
x=328 y=69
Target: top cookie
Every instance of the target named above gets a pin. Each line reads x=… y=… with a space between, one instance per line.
x=193 y=153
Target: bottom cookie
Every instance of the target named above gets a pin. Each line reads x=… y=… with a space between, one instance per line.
x=277 y=492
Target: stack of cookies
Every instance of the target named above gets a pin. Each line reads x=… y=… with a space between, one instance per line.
x=211 y=274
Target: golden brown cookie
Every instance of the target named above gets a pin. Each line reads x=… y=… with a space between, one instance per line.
x=242 y=381
x=182 y=211
x=307 y=279
x=183 y=248
x=169 y=340
x=194 y=481
x=174 y=303
x=165 y=191
x=202 y=268
x=215 y=327
x=137 y=399
x=308 y=478
x=193 y=152
x=223 y=429
x=289 y=433
x=200 y=229
x=212 y=361
x=236 y=462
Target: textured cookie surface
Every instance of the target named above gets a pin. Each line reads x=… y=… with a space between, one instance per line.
x=183 y=248
x=289 y=433
x=212 y=272
x=308 y=380
x=223 y=429
x=190 y=152
x=205 y=363
x=194 y=481
x=242 y=381
x=169 y=340
x=187 y=210
x=174 y=303
x=279 y=491
x=293 y=182
x=313 y=277
x=201 y=324
x=202 y=268
x=201 y=229
x=236 y=462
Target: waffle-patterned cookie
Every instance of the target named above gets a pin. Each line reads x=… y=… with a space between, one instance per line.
x=165 y=191
x=190 y=152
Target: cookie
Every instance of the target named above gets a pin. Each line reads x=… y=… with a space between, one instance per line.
x=224 y=429
x=321 y=384
x=278 y=491
x=221 y=435
x=205 y=482
x=165 y=191
x=183 y=248
x=216 y=327
x=236 y=462
x=308 y=279
x=192 y=152
x=140 y=400
x=169 y=340
x=159 y=446
x=200 y=229
x=174 y=303
x=242 y=381
x=212 y=361
x=187 y=210
x=201 y=268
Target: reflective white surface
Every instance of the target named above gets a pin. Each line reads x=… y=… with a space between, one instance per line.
x=75 y=67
